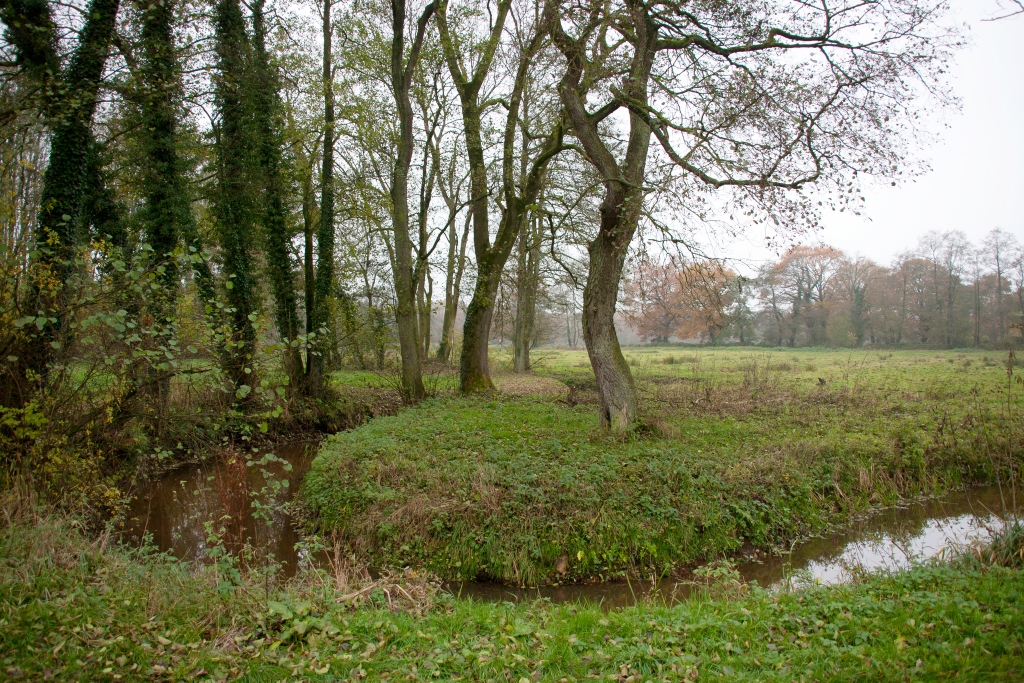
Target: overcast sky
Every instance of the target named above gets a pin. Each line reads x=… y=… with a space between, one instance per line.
x=976 y=181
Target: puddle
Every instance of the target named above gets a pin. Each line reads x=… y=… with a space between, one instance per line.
x=176 y=509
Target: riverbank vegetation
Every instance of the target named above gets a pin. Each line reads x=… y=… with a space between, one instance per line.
x=738 y=450
x=79 y=608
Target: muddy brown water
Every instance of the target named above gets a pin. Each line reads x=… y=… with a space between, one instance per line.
x=177 y=511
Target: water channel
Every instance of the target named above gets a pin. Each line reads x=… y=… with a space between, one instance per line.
x=234 y=493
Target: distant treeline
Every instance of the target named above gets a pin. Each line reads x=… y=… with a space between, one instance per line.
x=945 y=293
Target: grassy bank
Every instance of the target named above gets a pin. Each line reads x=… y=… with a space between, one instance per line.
x=737 y=450
x=74 y=608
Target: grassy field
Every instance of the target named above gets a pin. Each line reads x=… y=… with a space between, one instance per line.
x=76 y=608
x=738 y=449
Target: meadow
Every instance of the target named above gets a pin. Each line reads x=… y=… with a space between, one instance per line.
x=738 y=451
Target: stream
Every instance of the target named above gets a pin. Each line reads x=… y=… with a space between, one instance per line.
x=177 y=511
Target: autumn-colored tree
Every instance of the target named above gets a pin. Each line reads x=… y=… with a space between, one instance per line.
x=707 y=293
x=651 y=301
x=688 y=301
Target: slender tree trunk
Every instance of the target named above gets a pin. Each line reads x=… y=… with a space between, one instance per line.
x=527 y=281
x=977 y=309
x=277 y=236
x=309 y=222
x=999 y=297
x=425 y=298
x=453 y=290
x=324 y=281
x=402 y=71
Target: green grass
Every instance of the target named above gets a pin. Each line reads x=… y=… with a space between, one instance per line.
x=72 y=608
x=740 y=447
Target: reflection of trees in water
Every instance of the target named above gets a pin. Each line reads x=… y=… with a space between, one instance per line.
x=177 y=508
x=232 y=486
x=883 y=536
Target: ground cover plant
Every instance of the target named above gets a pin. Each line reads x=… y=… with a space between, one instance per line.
x=73 y=607
x=739 y=448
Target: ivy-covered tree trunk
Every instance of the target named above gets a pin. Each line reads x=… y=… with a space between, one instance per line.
x=234 y=198
x=69 y=103
x=162 y=182
x=266 y=107
x=167 y=209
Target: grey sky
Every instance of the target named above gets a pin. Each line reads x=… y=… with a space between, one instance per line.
x=976 y=181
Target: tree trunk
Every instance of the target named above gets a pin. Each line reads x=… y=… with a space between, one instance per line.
x=275 y=219
x=527 y=281
x=474 y=369
x=235 y=220
x=402 y=72
x=617 y=399
x=309 y=221
x=64 y=182
x=426 y=303
x=620 y=211
x=324 y=283
x=453 y=290
x=167 y=213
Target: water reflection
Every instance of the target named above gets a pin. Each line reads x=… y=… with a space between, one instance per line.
x=891 y=539
x=242 y=495
x=240 y=501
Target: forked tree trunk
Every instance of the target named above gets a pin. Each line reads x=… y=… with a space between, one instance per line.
x=274 y=211
x=402 y=71
x=452 y=291
x=620 y=211
x=69 y=108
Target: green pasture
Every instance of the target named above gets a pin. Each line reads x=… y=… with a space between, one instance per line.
x=737 y=449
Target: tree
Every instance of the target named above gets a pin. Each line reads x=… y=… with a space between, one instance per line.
x=706 y=295
x=856 y=276
x=527 y=285
x=69 y=99
x=518 y=198
x=319 y=314
x=273 y=212
x=765 y=101
x=997 y=246
x=235 y=200
x=403 y=69
x=652 y=301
